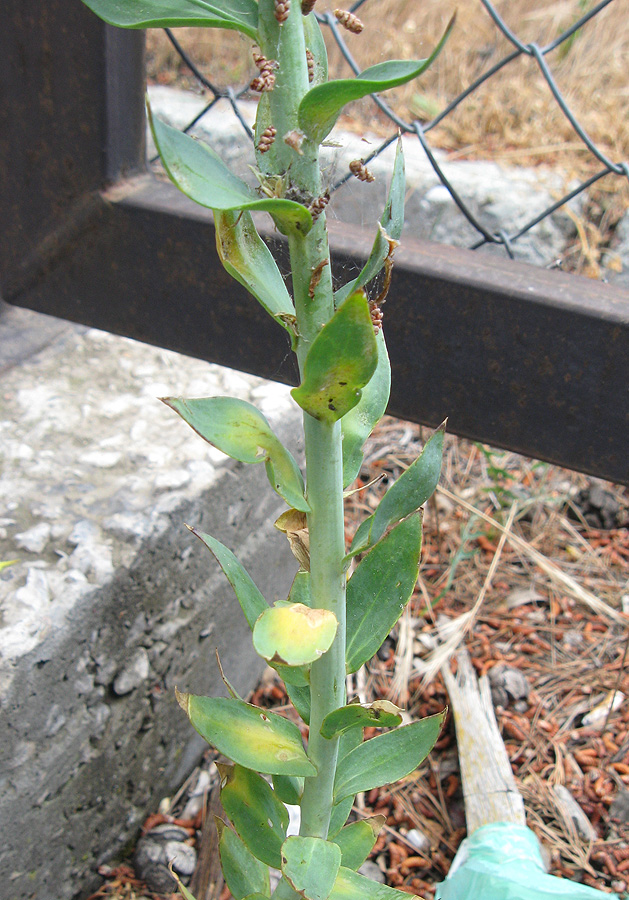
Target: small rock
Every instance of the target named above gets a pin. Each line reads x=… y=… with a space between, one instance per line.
x=83 y=532
x=34 y=540
x=125 y=525
x=418 y=839
x=133 y=674
x=55 y=721
x=101 y=459
x=507 y=684
x=372 y=870
x=182 y=857
x=105 y=670
x=35 y=593
x=161 y=846
x=171 y=479
x=599 y=507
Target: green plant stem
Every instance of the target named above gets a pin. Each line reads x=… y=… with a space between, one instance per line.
x=314 y=305
x=327 y=580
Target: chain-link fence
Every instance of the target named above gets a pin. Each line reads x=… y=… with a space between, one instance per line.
x=507 y=234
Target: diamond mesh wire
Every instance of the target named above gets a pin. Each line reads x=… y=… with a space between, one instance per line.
x=502 y=237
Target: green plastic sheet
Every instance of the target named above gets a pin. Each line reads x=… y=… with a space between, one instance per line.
x=503 y=861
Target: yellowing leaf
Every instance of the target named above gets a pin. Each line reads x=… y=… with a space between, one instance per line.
x=254 y=738
x=294 y=635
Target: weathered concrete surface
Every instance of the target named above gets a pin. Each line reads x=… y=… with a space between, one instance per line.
x=112 y=601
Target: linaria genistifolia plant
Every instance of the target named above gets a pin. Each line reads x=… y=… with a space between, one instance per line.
x=330 y=624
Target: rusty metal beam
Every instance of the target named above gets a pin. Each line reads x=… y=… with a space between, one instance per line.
x=515 y=356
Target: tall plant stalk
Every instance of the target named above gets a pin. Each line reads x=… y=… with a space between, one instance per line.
x=329 y=625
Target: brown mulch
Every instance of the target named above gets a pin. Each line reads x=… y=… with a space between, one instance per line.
x=535 y=619
x=571 y=656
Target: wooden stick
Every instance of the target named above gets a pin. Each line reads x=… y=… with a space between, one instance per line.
x=207 y=880
x=489 y=788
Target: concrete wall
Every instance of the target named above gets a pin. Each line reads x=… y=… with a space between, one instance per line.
x=112 y=601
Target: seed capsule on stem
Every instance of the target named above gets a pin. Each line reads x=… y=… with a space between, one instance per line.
x=266 y=139
x=318 y=205
x=360 y=170
x=349 y=20
x=282 y=9
x=311 y=64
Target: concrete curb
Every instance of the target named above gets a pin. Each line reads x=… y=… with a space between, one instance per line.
x=113 y=602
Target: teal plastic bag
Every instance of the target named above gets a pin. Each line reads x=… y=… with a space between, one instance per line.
x=503 y=861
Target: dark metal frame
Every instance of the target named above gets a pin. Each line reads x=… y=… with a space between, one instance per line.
x=533 y=360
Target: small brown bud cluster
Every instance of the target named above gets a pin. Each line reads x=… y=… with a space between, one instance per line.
x=307 y=6
x=266 y=139
x=349 y=20
x=360 y=170
x=282 y=9
x=263 y=84
x=318 y=205
x=265 y=81
x=311 y=64
x=376 y=316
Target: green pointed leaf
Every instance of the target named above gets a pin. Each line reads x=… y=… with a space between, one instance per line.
x=379 y=714
x=238 y=429
x=352 y=886
x=239 y=15
x=387 y=757
x=316 y=44
x=408 y=493
x=310 y=865
x=203 y=176
x=338 y=817
x=348 y=741
x=360 y=421
x=255 y=812
x=300 y=589
x=357 y=840
x=379 y=589
x=251 y=600
x=288 y=789
x=294 y=634
x=391 y=223
x=183 y=890
x=296 y=676
x=7 y=562
x=248 y=259
x=299 y=696
x=267 y=162
x=299 y=675
x=252 y=737
x=243 y=873
x=321 y=106
x=340 y=362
